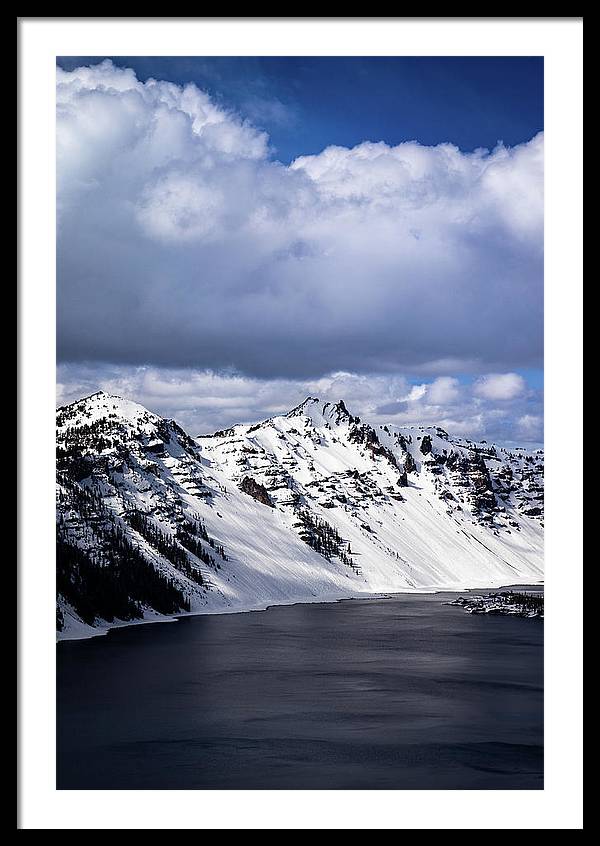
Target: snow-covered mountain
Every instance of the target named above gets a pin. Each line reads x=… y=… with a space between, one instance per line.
x=312 y=505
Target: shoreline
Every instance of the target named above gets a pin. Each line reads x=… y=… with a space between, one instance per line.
x=101 y=632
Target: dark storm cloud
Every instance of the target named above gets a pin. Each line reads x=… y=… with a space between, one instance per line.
x=181 y=243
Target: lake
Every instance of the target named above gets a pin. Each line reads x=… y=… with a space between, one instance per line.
x=396 y=693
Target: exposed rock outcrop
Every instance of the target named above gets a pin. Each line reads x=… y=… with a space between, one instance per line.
x=257 y=491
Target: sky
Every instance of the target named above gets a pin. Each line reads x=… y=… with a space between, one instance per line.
x=234 y=234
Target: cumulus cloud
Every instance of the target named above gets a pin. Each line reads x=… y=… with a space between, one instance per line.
x=443 y=391
x=183 y=243
x=500 y=386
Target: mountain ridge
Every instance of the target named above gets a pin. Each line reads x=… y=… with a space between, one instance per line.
x=313 y=504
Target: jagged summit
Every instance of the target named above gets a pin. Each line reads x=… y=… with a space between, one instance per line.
x=319 y=411
x=312 y=409
x=339 y=412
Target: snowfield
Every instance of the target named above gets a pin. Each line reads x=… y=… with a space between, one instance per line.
x=335 y=509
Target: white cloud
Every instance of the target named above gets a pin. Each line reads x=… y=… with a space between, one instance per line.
x=176 y=208
x=443 y=391
x=500 y=386
x=181 y=242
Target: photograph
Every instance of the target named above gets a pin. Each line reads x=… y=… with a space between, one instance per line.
x=300 y=372
x=301 y=342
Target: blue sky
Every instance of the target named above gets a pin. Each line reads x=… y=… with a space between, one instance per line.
x=234 y=233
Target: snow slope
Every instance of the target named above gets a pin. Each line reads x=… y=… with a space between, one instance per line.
x=309 y=506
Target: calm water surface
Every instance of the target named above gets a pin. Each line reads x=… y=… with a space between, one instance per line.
x=391 y=693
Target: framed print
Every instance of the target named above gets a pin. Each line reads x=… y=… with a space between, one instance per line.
x=299 y=340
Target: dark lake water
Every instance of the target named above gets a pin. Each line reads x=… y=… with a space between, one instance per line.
x=391 y=693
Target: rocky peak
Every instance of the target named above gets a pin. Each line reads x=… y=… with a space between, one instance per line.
x=338 y=413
